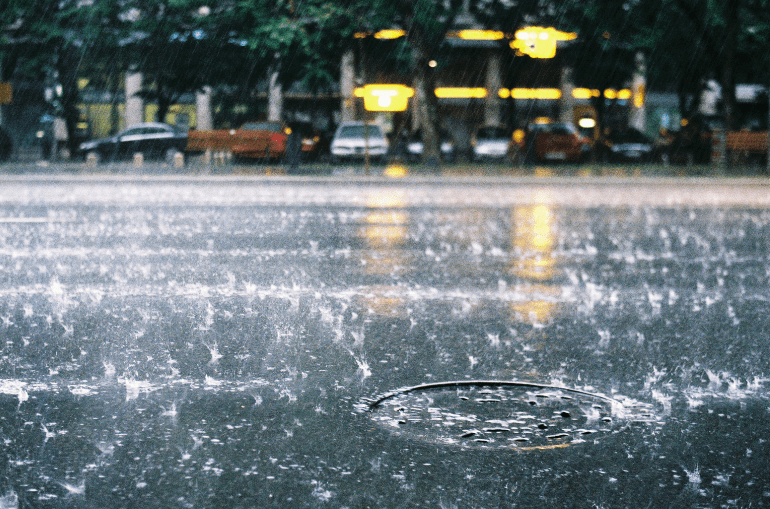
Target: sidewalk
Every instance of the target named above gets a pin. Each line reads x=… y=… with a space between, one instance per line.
x=196 y=167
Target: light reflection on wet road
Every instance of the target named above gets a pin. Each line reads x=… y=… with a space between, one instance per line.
x=213 y=342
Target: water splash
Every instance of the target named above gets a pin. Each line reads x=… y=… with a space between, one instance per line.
x=74 y=489
x=9 y=501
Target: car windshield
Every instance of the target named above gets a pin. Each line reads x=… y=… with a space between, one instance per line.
x=359 y=131
x=628 y=136
x=492 y=133
x=273 y=127
x=561 y=129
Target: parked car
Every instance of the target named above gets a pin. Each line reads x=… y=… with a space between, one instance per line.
x=253 y=140
x=312 y=140
x=153 y=140
x=261 y=139
x=555 y=142
x=692 y=144
x=414 y=146
x=352 y=139
x=490 y=142
x=625 y=145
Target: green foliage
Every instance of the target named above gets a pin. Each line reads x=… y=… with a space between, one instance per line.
x=183 y=45
x=300 y=40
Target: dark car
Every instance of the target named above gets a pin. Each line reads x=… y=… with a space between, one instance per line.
x=692 y=144
x=153 y=140
x=314 y=143
x=414 y=146
x=625 y=145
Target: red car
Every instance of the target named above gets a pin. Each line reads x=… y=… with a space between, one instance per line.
x=553 y=143
x=252 y=140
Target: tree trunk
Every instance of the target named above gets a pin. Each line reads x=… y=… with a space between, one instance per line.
x=728 y=66
x=164 y=102
x=66 y=66
x=426 y=103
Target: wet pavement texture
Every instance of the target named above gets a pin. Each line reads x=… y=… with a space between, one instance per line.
x=256 y=342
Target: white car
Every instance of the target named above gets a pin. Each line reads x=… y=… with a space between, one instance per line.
x=352 y=139
x=491 y=142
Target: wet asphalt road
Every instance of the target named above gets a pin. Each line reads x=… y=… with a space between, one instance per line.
x=241 y=342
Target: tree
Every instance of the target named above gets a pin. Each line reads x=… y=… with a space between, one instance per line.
x=182 y=46
x=691 y=41
x=50 y=41
x=426 y=23
x=300 y=40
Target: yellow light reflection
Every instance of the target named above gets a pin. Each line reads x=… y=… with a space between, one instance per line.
x=396 y=171
x=384 y=300
x=639 y=96
x=540 y=306
x=460 y=93
x=384 y=230
x=533 y=239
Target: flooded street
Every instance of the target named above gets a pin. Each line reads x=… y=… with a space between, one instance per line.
x=384 y=343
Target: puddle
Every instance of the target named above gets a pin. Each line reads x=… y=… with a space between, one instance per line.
x=504 y=414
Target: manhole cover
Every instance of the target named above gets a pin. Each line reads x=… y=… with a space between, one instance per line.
x=494 y=414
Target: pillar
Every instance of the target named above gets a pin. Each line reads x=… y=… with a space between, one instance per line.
x=204 y=121
x=347 y=86
x=567 y=106
x=274 y=98
x=638 y=114
x=134 y=103
x=493 y=84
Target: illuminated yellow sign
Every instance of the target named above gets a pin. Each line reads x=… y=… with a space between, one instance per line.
x=460 y=93
x=478 y=35
x=389 y=34
x=539 y=42
x=583 y=93
x=610 y=93
x=536 y=93
x=385 y=97
x=624 y=95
